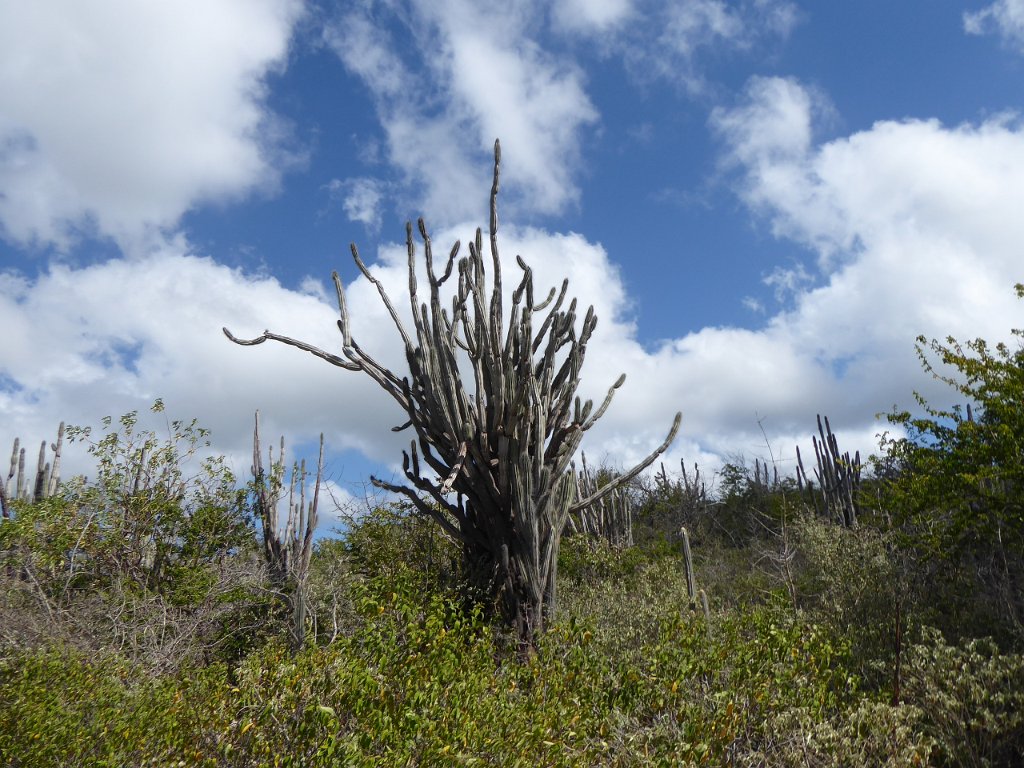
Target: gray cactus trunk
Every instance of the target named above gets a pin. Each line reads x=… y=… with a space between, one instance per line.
x=501 y=447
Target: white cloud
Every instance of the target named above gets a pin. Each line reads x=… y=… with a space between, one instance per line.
x=119 y=334
x=117 y=116
x=699 y=22
x=449 y=77
x=481 y=76
x=914 y=227
x=768 y=136
x=668 y=41
x=591 y=16
x=913 y=223
x=1003 y=17
x=362 y=199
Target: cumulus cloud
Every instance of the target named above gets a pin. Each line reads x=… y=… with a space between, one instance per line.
x=910 y=226
x=479 y=75
x=91 y=145
x=668 y=42
x=362 y=199
x=83 y=343
x=1004 y=18
x=591 y=16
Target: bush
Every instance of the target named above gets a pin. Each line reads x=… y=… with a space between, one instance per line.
x=422 y=681
x=972 y=697
x=393 y=541
x=956 y=482
x=853 y=581
x=869 y=735
x=584 y=558
x=106 y=711
x=150 y=557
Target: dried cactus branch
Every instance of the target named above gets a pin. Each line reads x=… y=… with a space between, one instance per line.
x=332 y=359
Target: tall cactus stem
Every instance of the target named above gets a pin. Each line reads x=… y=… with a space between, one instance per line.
x=838 y=476
x=58 y=448
x=691 y=581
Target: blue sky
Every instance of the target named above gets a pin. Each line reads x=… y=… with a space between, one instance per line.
x=765 y=200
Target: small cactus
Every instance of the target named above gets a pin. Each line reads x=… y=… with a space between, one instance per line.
x=838 y=478
x=47 y=478
x=697 y=597
x=287 y=552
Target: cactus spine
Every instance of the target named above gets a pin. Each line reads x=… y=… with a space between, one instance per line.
x=503 y=445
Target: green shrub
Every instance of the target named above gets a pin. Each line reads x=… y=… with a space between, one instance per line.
x=330 y=607
x=854 y=582
x=60 y=708
x=870 y=734
x=972 y=697
x=424 y=682
x=414 y=686
x=955 y=484
x=149 y=557
x=583 y=558
x=393 y=540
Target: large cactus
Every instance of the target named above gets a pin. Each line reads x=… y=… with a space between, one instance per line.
x=501 y=445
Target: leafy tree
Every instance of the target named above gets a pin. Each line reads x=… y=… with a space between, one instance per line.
x=148 y=556
x=957 y=478
x=155 y=524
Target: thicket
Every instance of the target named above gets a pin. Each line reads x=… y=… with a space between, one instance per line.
x=157 y=614
x=141 y=624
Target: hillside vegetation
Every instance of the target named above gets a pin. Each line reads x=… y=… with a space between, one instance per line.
x=513 y=609
x=140 y=623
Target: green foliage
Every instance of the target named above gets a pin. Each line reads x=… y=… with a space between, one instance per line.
x=869 y=735
x=107 y=712
x=853 y=581
x=421 y=681
x=148 y=557
x=972 y=697
x=418 y=680
x=155 y=524
x=971 y=469
x=48 y=538
x=748 y=506
x=393 y=541
x=331 y=609
x=956 y=481
x=586 y=558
